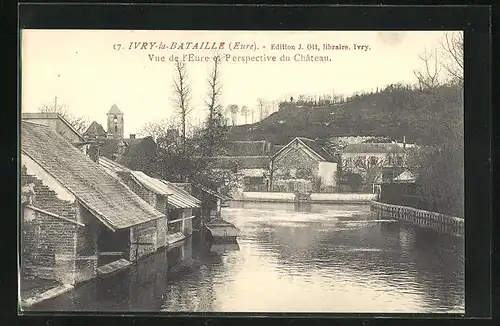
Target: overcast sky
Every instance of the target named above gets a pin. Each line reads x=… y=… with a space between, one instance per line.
x=88 y=76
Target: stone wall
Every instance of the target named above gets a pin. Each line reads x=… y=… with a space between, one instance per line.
x=48 y=243
x=295 y=162
x=143 y=239
x=86 y=246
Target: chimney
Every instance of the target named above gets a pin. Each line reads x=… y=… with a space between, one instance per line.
x=404 y=141
x=132 y=136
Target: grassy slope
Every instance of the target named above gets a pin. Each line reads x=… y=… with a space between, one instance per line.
x=393 y=112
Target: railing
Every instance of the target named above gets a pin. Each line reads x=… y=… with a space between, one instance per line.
x=439 y=222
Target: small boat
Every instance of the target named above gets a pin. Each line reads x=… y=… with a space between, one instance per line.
x=220 y=230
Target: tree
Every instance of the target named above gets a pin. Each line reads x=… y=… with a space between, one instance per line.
x=190 y=157
x=245 y=112
x=233 y=109
x=261 y=106
x=453 y=46
x=215 y=90
x=252 y=112
x=79 y=123
x=428 y=77
x=440 y=167
x=182 y=96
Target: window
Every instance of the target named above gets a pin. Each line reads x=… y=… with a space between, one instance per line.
x=116 y=128
x=293 y=172
x=115 y=119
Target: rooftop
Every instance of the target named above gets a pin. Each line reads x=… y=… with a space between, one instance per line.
x=105 y=197
x=370 y=148
x=33 y=116
x=114 y=110
x=177 y=197
x=95 y=129
x=313 y=146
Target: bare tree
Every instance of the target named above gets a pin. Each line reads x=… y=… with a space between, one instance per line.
x=79 y=123
x=182 y=95
x=428 y=78
x=233 y=109
x=215 y=89
x=267 y=108
x=261 y=105
x=252 y=112
x=453 y=46
x=245 y=112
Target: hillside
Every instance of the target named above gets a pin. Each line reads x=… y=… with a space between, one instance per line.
x=421 y=116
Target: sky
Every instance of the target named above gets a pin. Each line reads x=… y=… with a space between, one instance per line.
x=88 y=72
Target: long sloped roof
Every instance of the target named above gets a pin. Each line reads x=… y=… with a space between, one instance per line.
x=111 y=201
x=181 y=198
x=177 y=197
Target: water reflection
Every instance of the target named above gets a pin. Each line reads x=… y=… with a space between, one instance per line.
x=328 y=258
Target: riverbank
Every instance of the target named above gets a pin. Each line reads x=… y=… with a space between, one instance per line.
x=321 y=198
x=36 y=290
x=426 y=219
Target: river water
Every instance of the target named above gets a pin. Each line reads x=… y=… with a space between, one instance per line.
x=321 y=258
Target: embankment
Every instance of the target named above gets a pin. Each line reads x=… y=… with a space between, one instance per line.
x=326 y=198
x=439 y=222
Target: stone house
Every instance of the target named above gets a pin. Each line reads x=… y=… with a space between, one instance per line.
x=361 y=158
x=304 y=159
x=178 y=205
x=76 y=218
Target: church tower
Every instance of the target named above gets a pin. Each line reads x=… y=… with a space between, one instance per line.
x=115 y=123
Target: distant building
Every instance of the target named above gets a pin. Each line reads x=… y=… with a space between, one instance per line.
x=115 y=123
x=361 y=157
x=251 y=159
x=305 y=159
x=76 y=219
x=134 y=153
x=95 y=132
x=58 y=123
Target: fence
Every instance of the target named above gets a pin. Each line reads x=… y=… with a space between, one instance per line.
x=439 y=222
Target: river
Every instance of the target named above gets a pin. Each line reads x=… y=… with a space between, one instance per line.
x=322 y=258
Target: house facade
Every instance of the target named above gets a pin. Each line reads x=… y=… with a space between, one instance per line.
x=360 y=158
x=75 y=218
x=304 y=159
